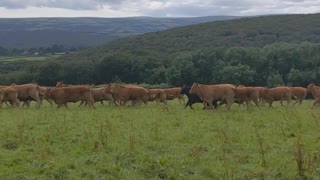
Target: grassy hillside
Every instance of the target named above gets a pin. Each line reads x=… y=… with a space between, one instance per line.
x=254 y=32
x=84 y=32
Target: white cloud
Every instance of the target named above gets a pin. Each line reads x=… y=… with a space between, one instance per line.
x=120 y=8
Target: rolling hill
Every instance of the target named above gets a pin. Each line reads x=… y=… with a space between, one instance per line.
x=262 y=51
x=253 y=32
x=84 y=32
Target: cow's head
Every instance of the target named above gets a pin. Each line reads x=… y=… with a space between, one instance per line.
x=263 y=92
x=107 y=88
x=59 y=84
x=194 y=88
x=47 y=93
x=310 y=87
x=185 y=89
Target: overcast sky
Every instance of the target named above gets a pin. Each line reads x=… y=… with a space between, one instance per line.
x=157 y=8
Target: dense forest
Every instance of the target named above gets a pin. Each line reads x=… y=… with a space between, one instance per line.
x=261 y=51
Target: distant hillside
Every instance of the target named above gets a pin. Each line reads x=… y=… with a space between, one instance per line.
x=258 y=51
x=84 y=32
x=254 y=32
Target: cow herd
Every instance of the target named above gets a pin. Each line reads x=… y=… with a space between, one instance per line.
x=212 y=96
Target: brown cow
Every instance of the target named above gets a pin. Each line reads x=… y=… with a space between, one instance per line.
x=124 y=93
x=43 y=90
x=247 y=94
x=276 y=94
x=157 y=95
x=172 y=93
x=28 y=92
x=100 y=94
x=300 y=93
x=210 y=93
x=9 y=94
x=315 y=91
x=63 y=95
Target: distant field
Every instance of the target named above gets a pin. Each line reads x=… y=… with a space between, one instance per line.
x=28 y=58
x=151 y=143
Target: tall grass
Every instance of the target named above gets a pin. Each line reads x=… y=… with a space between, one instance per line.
x=147 y=142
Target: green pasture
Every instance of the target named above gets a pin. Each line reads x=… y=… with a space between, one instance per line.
x=28 y=58
x=153 y=142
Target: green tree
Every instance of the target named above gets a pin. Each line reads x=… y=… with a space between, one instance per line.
x=238 y=74
x=274 y=80
x=49 y=73
x=182 y=70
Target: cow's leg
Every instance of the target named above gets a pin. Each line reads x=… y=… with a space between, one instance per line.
x=165 y=101
x=6 y=102
x=17 y=103
x=91 y=104
x=288 y=102
x=281 y=102
x=37 y=99
x=205 y=105
x=182 y=99
x=216 y=105
x=50 y=102
x=256 y=101
x=297 y=100
x=66 y=105
x=123 y=102
x=248 y=104
x=58 y=106
x=146 y=102
x=228 y=103
x=28 y=104
x=188 y=104
x=115 y=102
x=221 y=103
x=316 y=101
x=270 y=104
x=101 y=102
x=24 y=104
x=210 y=103
x=261 y=101
x=81 y=103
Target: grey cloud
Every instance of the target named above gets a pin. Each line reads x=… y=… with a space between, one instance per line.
x=12 y=4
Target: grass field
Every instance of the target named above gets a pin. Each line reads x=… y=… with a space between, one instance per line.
x=151 y=143
x=28 y=58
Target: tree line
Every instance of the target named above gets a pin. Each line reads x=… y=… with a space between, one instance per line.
x=55 y=48
x=277 y=63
